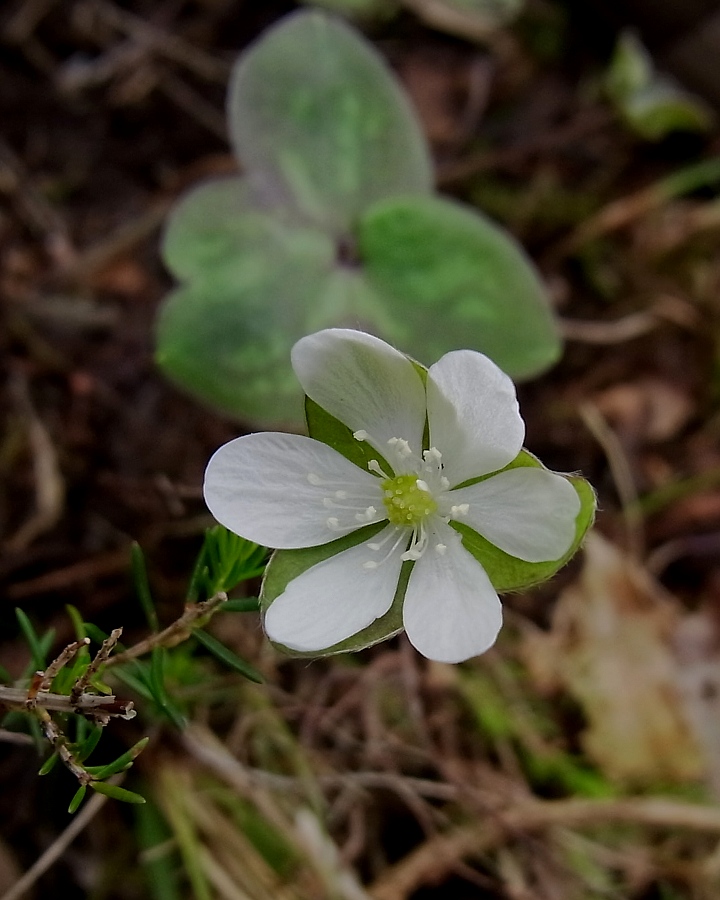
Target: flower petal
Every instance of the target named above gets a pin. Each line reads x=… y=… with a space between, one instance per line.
x=473 y=415
x=365 y=383
x=334 y=599
x=527 y=512
x=451 y=610
x=274 y=489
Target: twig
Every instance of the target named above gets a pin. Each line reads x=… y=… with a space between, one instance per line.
x=57 y=848
x=123 y=239
x=59 y=742
x=49 y=484
x=47 y=677
x=190 y=101
x=87 y=569
x=622 y=476
x=107 y=647
x=91 y=704
x=445 y=850
x=195 y=615
x=622 y=212
x=168 y=45
x=39 y=215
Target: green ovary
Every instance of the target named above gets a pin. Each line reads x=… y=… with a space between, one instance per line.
x=407 y=503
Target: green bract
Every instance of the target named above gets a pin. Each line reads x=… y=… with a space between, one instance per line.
x=335 y=223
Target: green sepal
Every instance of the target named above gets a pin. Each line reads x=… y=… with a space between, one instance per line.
x=285 y=565
x=507 y=573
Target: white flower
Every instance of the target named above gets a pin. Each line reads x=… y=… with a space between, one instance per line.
x=287 y=491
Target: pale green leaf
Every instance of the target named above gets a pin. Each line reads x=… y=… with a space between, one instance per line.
x=321 y=125
x=361 y=10
x=451 y=278
x=226 y=335
x=651 y=103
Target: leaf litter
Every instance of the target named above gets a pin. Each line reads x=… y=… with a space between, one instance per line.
x=577 y=759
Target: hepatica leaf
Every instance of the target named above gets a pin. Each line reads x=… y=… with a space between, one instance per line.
x=321 y=124
x=225 y=335
x=451 y=278
x=651 y=103
x=332 y=225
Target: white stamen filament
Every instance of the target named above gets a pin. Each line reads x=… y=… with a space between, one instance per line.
x=402 y=535
x=374 y=466
x=418 y=544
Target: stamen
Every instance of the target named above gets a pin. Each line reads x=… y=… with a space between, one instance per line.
x=418 y=544
x=366 y=516
x=423 y=485
x=461 y=509
x=378 y=545
x=433 y=455
x=401 y=536
x=374 y=466
x=401 y=447
x=444 y=483
x=361 y=435
x=441 y=549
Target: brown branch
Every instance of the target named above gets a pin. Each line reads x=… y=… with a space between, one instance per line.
x=87 y=704
x=444 y=851
x=195 y=616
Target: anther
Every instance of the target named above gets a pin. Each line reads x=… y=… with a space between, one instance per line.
x=401 y=447
x=360 y=435
x=460 y=510
x=441 y=549
x=366 y=516
x=374 y=466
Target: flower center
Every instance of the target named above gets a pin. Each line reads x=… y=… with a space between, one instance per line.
x=407 y=500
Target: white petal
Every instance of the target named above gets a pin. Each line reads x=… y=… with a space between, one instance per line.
x=365 y=383
x=473 y=415
x=451 y=610
x=529 y=513
x=261 y=487
x=334 y=599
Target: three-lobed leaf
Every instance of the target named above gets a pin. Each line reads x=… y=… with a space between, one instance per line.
x=333 y=225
